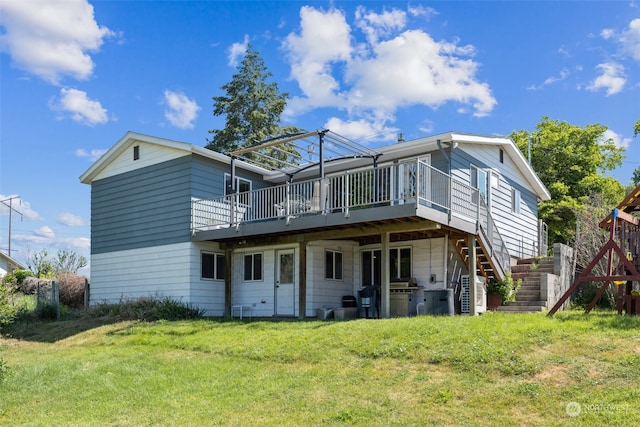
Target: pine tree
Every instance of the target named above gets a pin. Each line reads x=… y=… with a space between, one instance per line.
x=252 y=107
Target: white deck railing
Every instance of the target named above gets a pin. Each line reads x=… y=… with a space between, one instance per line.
x=401 y=183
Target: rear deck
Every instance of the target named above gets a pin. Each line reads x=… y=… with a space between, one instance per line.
x=409 y=200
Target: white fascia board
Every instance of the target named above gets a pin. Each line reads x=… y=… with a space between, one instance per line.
x=131 y=138
x=518 y=158
x=426 y=144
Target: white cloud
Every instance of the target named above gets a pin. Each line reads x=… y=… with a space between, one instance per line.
x=607 y=33
x=420 y=10
x=394 y=68
x=45 y=232
x=92 y=155
x=630 y=39
x=362 y=129
x=79 y=243
x=324 y=39
x=376 y=25
x=237 y=50
x=51 y=39
x=612 y=78
x=413 y=69
x=82 y=109
x=71 y=220
x=181 y=111
x=564 y=73
x=17 y=204
x=617 y=139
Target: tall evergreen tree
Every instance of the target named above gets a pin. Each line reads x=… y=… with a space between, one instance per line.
x=252 y=107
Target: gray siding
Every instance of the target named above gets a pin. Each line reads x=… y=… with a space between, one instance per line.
x=146 y=207
x=151 y=206
x=519 y=231
x=208 y=178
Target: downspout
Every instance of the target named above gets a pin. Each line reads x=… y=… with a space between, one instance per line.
x=446 y=156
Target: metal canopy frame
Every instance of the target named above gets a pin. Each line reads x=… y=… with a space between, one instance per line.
x=301 y=151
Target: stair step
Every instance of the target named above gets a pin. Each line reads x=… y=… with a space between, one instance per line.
x=519 y=303
x=528 y=261
x=528 y=293
x=521 y=309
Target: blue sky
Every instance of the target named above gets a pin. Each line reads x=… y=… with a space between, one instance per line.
x=75 y=76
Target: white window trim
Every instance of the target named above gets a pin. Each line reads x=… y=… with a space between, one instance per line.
x=215 y=266
x=239 y=180
x=244 y=260
x=398 y=249
x=516 y=200
x=333 y=264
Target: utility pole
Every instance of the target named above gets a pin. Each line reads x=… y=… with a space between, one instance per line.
x=11 y=209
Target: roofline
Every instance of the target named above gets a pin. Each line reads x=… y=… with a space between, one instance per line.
x=466 y=138
x=12 y=260
x=131 y=137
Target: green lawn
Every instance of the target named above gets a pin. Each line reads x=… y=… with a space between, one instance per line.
x=495 y=369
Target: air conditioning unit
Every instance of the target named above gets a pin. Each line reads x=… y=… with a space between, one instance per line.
x=465 y=296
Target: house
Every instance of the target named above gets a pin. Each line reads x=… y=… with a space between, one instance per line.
x=9 y=265
x=309 y=221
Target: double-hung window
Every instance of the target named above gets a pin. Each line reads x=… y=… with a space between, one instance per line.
x=253 y=267
x=333 y=265
x=212 y=265
x=400 y=263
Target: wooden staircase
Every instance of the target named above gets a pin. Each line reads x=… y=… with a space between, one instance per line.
x=486 y=266
x=528 y=299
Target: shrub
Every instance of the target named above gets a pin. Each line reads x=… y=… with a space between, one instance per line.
x=506 y=288
x=72 y=289
x=47 y=311
x=20 y=275
x=9 y=279
x=147 y=309
x=8 y=311
x=30 y=284
x=587 y=291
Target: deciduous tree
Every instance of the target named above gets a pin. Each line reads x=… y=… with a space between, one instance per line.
x=46 y=267
x=570 y=160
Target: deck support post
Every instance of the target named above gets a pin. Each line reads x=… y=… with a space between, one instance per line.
x=302 y=280
x=385 y=301
x=228 y=265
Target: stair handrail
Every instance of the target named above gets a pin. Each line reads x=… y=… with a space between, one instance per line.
x=487 y=228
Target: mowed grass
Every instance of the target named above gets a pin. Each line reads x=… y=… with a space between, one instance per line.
x=495 y=369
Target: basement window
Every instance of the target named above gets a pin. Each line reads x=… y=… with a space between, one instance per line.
x=253 y=267
x=399 y=264
x=212 y=266
x=333 y=265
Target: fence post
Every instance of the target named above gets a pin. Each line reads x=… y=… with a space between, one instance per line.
x=87 y=299
x=56 y=297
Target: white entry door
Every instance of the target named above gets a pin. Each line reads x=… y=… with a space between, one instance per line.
x=285 y=290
